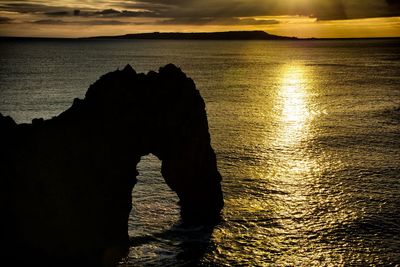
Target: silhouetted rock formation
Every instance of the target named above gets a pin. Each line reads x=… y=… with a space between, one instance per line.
x=66 y=182
x=231 y=35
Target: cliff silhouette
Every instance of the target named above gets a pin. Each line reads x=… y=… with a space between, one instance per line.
x=66 y=182
x=230 y=35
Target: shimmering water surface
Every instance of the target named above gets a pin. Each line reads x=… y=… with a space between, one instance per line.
x=307 y=136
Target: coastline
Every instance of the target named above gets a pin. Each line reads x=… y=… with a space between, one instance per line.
x=194 y=36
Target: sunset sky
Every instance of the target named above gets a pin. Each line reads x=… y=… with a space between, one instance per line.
x=301 y=18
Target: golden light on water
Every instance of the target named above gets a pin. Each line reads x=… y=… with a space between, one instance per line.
x=290 y=198
x=292 y=105
x=293 y=168
x=290 y=170
x=291 y=162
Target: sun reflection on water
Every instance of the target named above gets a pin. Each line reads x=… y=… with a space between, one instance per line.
x=293 y=169
x=290 y=171
x=286 y=203
x=293 y=120
x=292 y=106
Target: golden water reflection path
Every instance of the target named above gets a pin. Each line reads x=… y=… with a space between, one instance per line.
x=290 y=208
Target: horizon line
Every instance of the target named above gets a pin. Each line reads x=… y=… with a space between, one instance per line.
x=293 y=38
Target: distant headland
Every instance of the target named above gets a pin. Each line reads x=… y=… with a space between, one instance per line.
x=227 y=36
x=230 y=35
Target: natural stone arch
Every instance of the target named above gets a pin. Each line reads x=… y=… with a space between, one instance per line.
x=66 y=182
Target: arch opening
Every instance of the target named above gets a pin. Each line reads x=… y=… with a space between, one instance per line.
x=154 y=205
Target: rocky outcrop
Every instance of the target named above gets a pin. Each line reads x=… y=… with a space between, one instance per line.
x=66 y=182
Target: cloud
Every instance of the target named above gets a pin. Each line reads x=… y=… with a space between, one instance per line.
x=60 y=11
x=218 y=21
x=200 y=12
x=393 y=2
x=80 y=22
x=5 y=20
x=30 y=8
x=49 y=21
x=57 y=13
x=123 y=13
x=321 y=9
x=106 y=22
x=355 y=9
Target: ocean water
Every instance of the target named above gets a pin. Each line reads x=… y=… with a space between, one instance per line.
x=307 y=136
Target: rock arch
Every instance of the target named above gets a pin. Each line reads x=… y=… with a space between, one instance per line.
x=66 y=182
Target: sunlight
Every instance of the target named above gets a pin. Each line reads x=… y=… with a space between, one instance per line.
x=293 y=109
x=293 y=169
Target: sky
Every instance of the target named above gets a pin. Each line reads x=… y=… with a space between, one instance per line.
x=300 y=18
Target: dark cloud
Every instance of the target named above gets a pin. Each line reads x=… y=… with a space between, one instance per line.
x=105 y=22
x=218 y=21
x=49 y=21
x=393 y=2
x=30 y=8
x=250 y=21
x=155 y=7
x=321 y=9
x=199 y=12
x=86 y=22
x=123 y=13
x=328 y=10
x=68 y=11
x=58 y=13
x=107 y=12
x=5 y=20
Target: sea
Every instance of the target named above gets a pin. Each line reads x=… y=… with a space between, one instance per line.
x=307 y=137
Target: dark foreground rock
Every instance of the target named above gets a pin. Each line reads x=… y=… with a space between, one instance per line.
x=66 y=183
